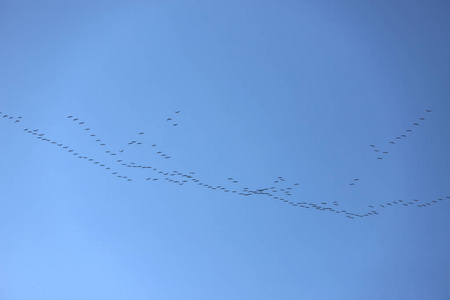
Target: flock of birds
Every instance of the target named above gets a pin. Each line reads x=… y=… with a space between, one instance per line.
x=279 y=190
x=382 y=153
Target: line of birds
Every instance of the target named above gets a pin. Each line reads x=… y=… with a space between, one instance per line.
x=181 y=178
x=114 y=153
x=381 y=153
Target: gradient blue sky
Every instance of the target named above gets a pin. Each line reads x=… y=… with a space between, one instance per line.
x=297 y=89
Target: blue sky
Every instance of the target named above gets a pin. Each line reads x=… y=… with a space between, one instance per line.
x=265 y=89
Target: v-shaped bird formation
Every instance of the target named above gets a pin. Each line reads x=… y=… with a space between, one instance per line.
x=279 y=190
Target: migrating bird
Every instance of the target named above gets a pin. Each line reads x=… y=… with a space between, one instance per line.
x=178 y=111
x=141 y=133
x=428 y=110
x=175 y=124
x=169 y=119
x=70 y=117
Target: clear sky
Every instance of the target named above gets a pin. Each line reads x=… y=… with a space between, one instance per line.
x=284 y=97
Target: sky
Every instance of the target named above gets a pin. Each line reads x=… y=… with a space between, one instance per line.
x=267 y=187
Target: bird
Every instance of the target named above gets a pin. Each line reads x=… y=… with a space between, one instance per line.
x=169 y=119
x=175 y=124
x=70 y=117
x=409 y=130
x=392 y=142
x=356 y=179
x=178 y=111
x=415 y=124
x=428 y=110
x=141 y=133
x=81 y=123
x=154 y=145
x=422 y=119
x=372 y=145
